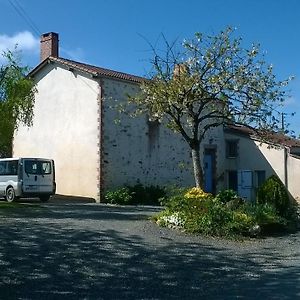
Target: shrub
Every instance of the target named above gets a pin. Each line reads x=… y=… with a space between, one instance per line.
x=273 y=192
x=226 y=196
x=146 y=195
x=196 y=193
x=241 y=223
x=175 y=201
x=195 y=211
x=169 y=219
x=180 y=199
x=267 y=217
x=225 y=215
x=208 y=217
x=120 y=196
x=133 y=195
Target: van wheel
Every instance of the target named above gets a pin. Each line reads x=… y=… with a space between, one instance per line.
x=44 y=198
x=10 y=194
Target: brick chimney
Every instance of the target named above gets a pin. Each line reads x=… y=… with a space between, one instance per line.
x=49 y=45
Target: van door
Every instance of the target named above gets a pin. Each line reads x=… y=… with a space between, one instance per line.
x=38 y=176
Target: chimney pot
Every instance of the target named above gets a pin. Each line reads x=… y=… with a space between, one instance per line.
x=49 y=45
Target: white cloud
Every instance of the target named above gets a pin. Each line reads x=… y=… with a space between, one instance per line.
x=25 y=41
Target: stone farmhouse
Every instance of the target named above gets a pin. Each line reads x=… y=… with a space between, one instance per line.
x=75 y=124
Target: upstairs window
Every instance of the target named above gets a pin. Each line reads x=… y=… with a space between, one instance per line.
x=231 y=148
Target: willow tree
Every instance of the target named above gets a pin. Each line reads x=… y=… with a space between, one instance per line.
x=16 y=100
x=209 y=81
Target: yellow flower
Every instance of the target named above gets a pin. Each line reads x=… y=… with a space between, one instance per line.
x=196 y=193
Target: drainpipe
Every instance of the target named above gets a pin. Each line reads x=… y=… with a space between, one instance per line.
x=285 y=158
x=286 y=167
x=100 y=143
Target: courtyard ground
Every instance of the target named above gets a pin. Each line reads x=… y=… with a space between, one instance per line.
x=76 y=249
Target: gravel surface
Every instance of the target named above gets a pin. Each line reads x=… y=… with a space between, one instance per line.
x=79 y=250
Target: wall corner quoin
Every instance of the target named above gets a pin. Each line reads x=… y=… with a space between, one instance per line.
x=100 y=181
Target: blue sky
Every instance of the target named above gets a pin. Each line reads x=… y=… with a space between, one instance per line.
x=112 y=33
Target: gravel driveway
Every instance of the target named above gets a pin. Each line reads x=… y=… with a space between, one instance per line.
x=63 y=250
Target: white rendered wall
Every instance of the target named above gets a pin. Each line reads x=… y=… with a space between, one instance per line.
x=294 y=176
x=65 y=128
x=253 y=155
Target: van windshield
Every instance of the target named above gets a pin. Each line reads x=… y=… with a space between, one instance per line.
x=37 y=167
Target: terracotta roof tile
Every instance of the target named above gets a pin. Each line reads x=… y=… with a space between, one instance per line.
x=93 y=70
x=272 y=137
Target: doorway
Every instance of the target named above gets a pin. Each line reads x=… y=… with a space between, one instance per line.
x=210 y=170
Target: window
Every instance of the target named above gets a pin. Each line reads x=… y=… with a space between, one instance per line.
x=9 y=167
x=231 y=148
x=260 y=177
x=2 y=167
x=46 y=167
x=233 y=180
x=37 y=167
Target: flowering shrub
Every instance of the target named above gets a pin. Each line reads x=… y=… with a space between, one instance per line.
x=195 y=211
x=196 y=193
x=172 y=220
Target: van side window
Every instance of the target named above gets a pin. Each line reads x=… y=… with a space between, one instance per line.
x=12 y=167
x=9 y=167
x=3 y=168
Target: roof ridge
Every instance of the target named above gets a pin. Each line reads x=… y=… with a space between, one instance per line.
x=95 y=70
x=277 y=137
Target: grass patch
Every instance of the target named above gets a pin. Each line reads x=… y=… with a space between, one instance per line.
x=18 y=208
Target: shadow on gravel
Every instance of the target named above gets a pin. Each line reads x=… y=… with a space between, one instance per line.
x=56 y=259
x=82 y=211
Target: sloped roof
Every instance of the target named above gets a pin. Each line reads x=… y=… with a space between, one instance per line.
x=89 y=69
x=272 y=137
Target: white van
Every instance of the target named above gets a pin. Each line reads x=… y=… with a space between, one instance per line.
x=27 y=177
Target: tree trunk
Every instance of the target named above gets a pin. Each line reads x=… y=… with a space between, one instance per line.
x=198 y=173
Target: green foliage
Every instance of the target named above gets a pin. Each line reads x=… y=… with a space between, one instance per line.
x=263 y=213
x=146 y=195
x=120 y=196
x=134 y=195
x=208 y=217
x=273 y=192
x=225 y=196
x=16 y=100
x=214 y=216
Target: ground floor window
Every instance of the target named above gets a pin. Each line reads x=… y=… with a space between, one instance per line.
x=260 y=177
x=256 y=179
x=233 y=180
